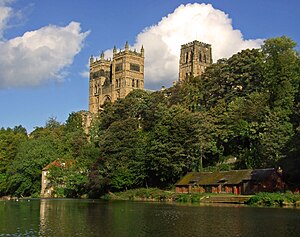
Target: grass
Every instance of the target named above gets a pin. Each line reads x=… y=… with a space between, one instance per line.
x=275 y=199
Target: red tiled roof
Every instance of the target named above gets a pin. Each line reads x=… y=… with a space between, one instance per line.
x=59 y=164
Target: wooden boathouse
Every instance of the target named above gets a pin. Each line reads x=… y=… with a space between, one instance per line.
x=243 y=182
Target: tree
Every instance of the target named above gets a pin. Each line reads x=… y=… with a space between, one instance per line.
x=282 y=72
x=179 y=143
x=74 y=122
x=45 y=145
x=52 y=123
x=122 y=151
x=24 y=173
x=10 y=140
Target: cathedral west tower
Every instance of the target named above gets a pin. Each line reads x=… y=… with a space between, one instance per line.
x=194 y=58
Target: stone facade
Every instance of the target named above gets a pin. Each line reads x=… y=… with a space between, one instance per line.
x=114 y=78
x=87 y=118
x=194 y=58
x=45 y=187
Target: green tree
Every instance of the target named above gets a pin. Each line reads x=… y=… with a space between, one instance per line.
x=123 y=148
x=281 y=72
x=181 y=141
x=24 y=173
x=45 y=145
x=10 y=140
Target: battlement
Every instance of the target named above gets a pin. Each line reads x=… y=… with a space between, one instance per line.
x=196 y=42
x=128 y=51
x=95 y=60
x=132 y=52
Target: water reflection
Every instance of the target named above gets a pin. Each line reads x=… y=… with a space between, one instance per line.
x=54 y=217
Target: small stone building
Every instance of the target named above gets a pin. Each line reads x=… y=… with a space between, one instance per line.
x=234 y=181
x=47 y=188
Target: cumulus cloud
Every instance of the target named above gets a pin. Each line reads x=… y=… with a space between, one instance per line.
x=5 y=13
x=202 y=22
x=39 y=55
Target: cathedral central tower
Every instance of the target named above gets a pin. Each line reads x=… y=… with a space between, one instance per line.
x=114 y=78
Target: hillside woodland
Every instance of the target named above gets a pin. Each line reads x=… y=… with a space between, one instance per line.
x=243 y=112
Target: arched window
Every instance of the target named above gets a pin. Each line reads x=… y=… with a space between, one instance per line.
x=132 y=82
x=137 y=84
x=107 y=99
x=117 y=83
x=200 y=57
x=187 y=57
x=205 y=58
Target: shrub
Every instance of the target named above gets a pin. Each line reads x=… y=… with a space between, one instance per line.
x=273 y=199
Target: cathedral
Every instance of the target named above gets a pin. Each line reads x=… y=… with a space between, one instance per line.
x=115 y=78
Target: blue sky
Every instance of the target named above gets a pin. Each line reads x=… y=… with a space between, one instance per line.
x=45 y=45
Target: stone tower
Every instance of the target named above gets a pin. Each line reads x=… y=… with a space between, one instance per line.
x=194 y=58
x=114 y=78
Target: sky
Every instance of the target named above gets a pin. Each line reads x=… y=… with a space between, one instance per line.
x=45 y=45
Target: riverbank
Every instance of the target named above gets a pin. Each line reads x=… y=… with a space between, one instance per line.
x=275 y=199
x=154 y=194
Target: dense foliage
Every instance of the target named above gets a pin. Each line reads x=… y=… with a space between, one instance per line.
x=275 y=199
x=242 y=113
x=24 y=156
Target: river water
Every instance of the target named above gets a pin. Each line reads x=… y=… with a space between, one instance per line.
x=63 y=217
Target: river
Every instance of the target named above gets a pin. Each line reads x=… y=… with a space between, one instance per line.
x=67 y=217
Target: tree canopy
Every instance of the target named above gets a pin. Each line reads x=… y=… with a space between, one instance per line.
x=243 y=112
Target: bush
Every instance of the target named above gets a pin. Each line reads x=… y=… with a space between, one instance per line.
x=141 y=194
x=274 y=199
x=190 y=197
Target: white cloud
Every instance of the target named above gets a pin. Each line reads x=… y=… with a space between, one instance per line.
x=162 y=42
x=39 y=55
x=5 y=13
x=85 y=74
